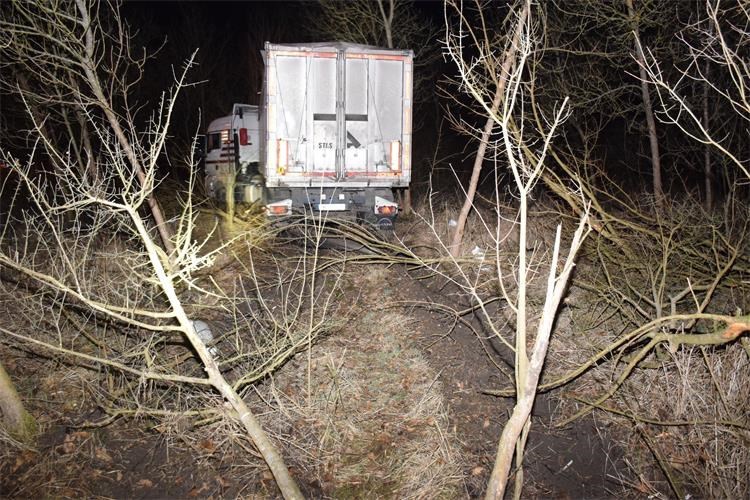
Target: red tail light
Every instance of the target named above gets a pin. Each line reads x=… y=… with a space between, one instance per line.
x=279 y=208
x=387 y=210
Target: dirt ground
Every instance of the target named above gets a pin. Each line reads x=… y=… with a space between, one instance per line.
x=412 y=378
x=572 y=463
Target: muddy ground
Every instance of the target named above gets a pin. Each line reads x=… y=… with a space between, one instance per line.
x=404 y=349
x=575 y=462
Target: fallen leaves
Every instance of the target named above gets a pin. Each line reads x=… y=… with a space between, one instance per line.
x=25 y=457
x=207 y=445
x=198 y=492
x=145 y=484
x=72 y=442
x=103 y=455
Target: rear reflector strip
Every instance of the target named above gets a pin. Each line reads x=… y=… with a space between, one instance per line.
x=283 y=156
x=395 y=156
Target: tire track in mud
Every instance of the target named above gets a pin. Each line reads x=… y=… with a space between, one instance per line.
x=575 y=462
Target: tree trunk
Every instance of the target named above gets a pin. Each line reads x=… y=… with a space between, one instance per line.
x=404 y=195
x=463 y=215
x=165 y=232
x=260 y=439
x=229 y=198
x=517 y=426
x=19 y=423
x=648 y=109
x=707 y=169
x=407 y=201
x=388 y=20
x=89 y=65
x=510 y=56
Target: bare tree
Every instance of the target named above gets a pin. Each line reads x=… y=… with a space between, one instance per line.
x=671 y=277
x=49 y=245
x=496 y=66
x=84 y=69
x=44 y=251
x=663 y=275
x=648 y=110
x=592 y=52
x=721 y=49
x=481 y=78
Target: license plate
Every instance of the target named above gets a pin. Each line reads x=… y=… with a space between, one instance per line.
x=327 y=207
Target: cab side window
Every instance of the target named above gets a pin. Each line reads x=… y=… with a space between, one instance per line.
x=213 y=142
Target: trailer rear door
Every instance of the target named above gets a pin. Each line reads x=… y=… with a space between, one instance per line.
x=306 y=111
x=338 y=112
x=374 y=103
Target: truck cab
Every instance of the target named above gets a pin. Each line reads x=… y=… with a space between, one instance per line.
x=232 y=152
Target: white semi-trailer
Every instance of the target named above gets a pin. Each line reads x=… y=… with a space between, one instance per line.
x=332 y=134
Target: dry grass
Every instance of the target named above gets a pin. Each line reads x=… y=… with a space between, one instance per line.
x=698 y=413
x=260 y=320
x=175 y=454
x=682 y=414
x=688 y=410
x=360 y=413
x=433 y=223
x=682 y=418
x=375 y=412
x=374 y=423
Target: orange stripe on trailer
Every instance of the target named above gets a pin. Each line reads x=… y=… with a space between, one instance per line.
x=373 y=174
x=325 y=173
x=384 y=57
x=298 y=53
x=332 y=174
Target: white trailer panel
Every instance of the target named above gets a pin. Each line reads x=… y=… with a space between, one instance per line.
x=336 y=114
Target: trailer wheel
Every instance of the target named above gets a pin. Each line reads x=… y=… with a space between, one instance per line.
x=386 y=224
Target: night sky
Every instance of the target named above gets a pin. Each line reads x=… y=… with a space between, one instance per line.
x=228 y=37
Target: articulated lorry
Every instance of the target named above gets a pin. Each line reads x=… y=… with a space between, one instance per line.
x=331 y=136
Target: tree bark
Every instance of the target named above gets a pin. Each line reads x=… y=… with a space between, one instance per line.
x=229 y=197
x=707 y=169
x=89 y=65
x=268 y=451
x=458 y=235
x=387 y=20
x=407 y=201
x=648 y=109
x=516 y=427
x=19 y=423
